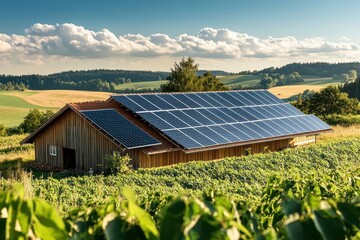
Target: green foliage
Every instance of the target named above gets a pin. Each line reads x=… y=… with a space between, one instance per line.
x=22 y=218
x=352 y=88
x=328 y=101
x=34 y=120
x=343 y=120
x=117 y=164
x=184 y=78
x=272 y=80
x=2 y=130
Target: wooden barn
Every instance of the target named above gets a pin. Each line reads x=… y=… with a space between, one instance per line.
x=158 y=129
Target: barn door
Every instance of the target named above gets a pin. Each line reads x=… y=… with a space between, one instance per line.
x=69 y=161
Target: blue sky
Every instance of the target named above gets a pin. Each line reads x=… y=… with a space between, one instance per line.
x=314 y=31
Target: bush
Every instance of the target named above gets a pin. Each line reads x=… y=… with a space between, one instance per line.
x=117 y=164
x=343 y=120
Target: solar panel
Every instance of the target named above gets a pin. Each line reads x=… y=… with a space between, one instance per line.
x=196 y=120
x=120 y=128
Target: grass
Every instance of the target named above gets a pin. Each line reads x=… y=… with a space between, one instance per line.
x=141 y=85
x=243 y=80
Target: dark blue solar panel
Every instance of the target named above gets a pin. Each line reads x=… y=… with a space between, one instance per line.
x=244 y=113
x=251 y=133
x=293 y=109
x=273 y=111
x=221 y=117
x=174 y=101
x=230 y=98
x=219 y=113
x=264 y=112
x=120 y=128
x=210 y=100
x=214 y=118
x=306 y=120
x=255 y=113
x=268 y=128
x=281 y=110
x=199 y=137
x=124 y=100
x=155 y=121
x=186 y=100
x=198 y=116
x=318 y=121
x=216 y=137
x=252 y=97
x=170 y=118
x=237 y=132
x=289 y=122
x=261 y=97
x=182 y=139
x=148 y=106
x=186 y=118
x=241 y=98
x=196 y=98
x=233 y=114
x=258 y=130
x=222 y=132
x=158 y=102
x=222 y=100
x=276 y=124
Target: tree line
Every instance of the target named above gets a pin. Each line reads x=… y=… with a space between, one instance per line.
x=322 y=69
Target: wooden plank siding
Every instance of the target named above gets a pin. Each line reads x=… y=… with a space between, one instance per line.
x=174 y=157
x=71 y=131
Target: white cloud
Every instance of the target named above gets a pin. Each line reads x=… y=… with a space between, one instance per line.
x=44 y=41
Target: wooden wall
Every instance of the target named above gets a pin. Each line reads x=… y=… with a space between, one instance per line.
x=71 y=131
x=170 y=158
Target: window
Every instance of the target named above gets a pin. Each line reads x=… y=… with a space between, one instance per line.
x=52 y=150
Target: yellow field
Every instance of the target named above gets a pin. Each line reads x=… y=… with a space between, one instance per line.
x=340 y=133
x=58 y=98
x=291 y=90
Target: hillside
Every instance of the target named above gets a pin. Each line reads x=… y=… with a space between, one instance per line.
x=322 y=69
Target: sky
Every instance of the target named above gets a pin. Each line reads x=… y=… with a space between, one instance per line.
x=50 y=36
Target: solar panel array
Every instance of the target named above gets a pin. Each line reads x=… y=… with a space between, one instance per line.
x=196 y=120
x=120 y=128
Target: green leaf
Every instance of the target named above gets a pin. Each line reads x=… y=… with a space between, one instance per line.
x=113 y=227
x=350 y=213
x=302 y=230
x=47 y=222
x=143 y=218
x=291 y=206
x=268 y=234
x=329 y=226
x=173 y=219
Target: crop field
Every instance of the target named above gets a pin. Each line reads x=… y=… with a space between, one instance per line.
x=260 y=184
x=14 y=105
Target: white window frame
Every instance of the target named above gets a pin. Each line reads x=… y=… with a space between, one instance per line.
x=53 y=150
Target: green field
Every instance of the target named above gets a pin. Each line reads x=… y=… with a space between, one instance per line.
x=245 y=81
x=13 y=109
x=141 y=85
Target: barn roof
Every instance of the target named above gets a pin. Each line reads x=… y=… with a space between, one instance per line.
x=195 y=121
x=160 y=122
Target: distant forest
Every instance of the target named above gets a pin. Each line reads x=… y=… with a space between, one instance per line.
x=321 y=69
x=97 y=80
